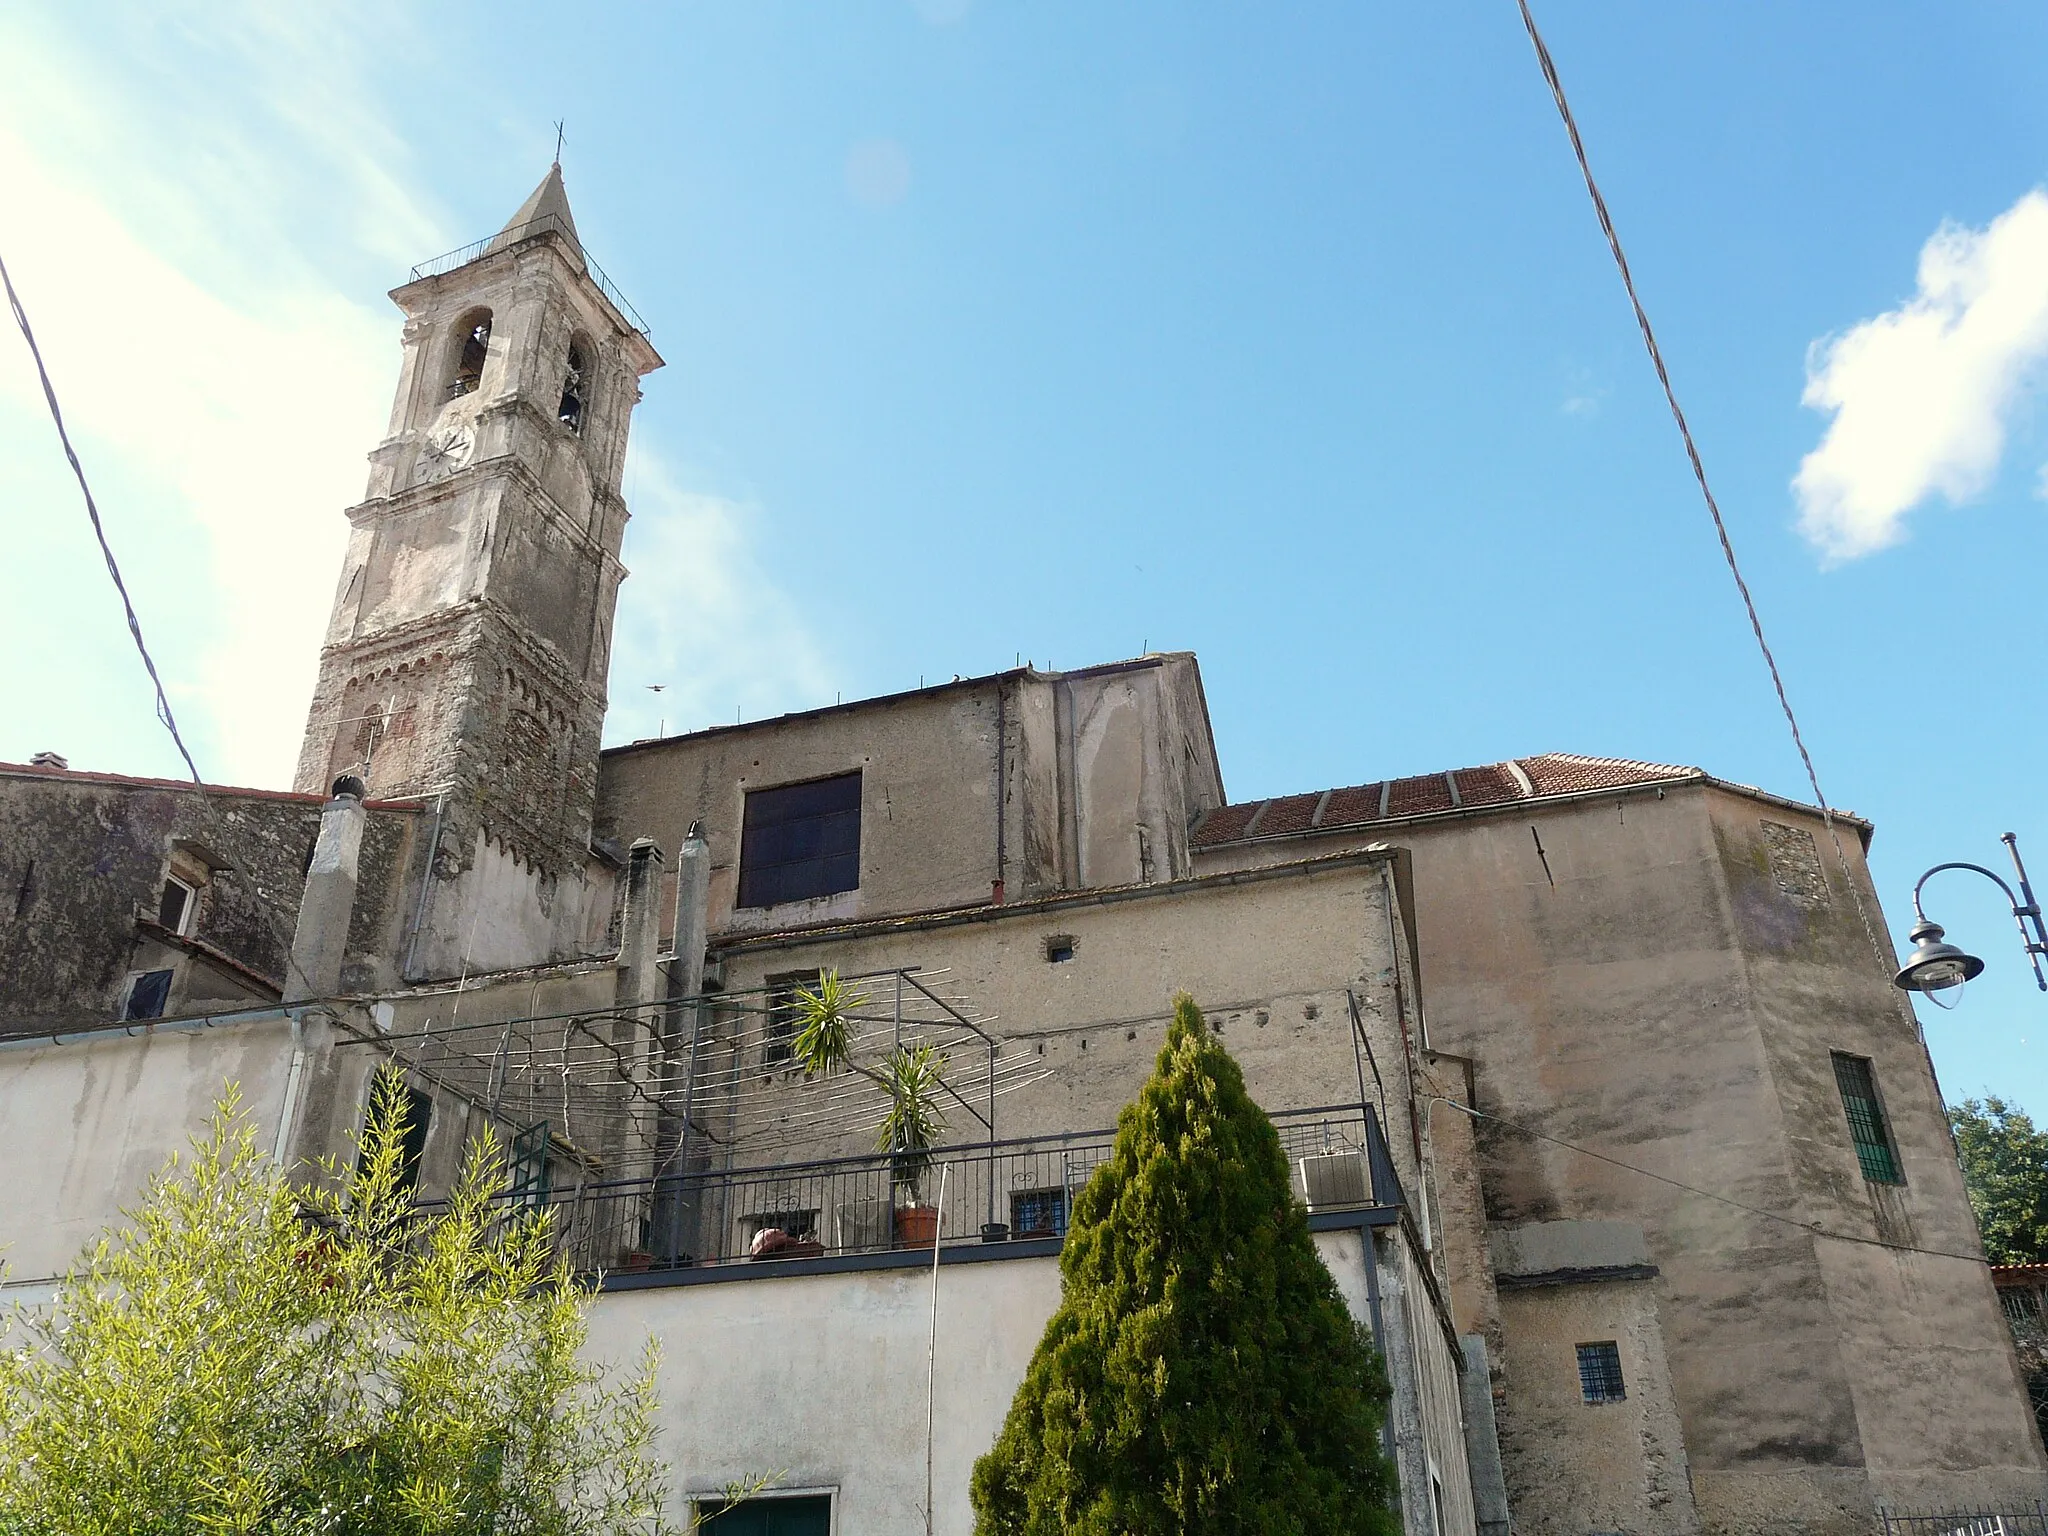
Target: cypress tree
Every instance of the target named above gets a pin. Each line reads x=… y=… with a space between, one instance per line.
x=1202 y=1372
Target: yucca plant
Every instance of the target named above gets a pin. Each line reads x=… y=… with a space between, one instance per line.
x=824 y=1016
x=912 y=1075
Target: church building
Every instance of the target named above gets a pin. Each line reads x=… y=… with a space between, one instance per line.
x=1610 y=1126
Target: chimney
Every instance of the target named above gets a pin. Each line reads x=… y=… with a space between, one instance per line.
x=640 y=978
x=330 y=897
x=55 y=760
x=693 y=896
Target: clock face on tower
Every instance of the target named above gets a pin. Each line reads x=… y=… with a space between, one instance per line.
x=446 y=450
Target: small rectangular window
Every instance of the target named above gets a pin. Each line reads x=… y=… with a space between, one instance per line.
x=1600 y=1373
x=177 y=906
x=800 y=841
x=1038 y=1213
x=419 y=1117
x=526 y=1168
x=778 y=1031
x=149 y=993
x=767 y=1515
x=1867 y=1128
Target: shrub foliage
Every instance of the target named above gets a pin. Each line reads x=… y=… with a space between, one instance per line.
x=249 y=1356
x=1202 y=1372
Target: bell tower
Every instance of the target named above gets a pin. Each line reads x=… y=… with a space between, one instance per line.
x=466 y=656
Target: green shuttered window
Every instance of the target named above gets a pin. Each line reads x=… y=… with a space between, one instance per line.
x=1867 y=1127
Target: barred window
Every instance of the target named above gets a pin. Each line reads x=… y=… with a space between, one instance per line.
x=800 y=840
x=1038 y=1213
x=1600 y=1373
x=1867 y=1128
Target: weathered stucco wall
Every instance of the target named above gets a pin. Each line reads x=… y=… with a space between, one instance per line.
x=1579 y=1466
x=928 y=794
x=83 y=859
x=822 y=1379
x=1662 y=975
x=84 y=1125
x=1270 y=960
x=999 y=787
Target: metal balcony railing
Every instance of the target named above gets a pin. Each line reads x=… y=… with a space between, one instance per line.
x=995 y=1191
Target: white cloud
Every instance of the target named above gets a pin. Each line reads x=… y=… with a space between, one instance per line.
x=700 y=617
x=1920 y=394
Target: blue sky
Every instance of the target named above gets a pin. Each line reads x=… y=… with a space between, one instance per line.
x=1060 y=331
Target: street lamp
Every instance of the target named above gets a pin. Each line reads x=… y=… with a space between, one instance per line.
x=1935 y=965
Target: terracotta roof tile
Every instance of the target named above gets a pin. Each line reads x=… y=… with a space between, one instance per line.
x=1563 y=773
x=1486 y=786
x=1291 y=814
x=1224 y=823
x=1419 y=796
x=1550 y=773
x=1349 y=807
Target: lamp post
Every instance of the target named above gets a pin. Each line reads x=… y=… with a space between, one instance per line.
x=1935 y=965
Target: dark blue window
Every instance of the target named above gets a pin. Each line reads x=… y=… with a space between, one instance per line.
x=800 y=841
x=1600 y=1373
x=148 y=995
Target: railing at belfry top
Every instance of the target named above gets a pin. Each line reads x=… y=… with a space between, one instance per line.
x=1966 y=1522
x=547 y=223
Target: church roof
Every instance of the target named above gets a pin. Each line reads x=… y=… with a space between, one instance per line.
x=1542 y=777
x=547 y=207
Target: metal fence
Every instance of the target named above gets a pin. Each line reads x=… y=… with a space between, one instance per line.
x=1966 y=1522
x=994 y=1192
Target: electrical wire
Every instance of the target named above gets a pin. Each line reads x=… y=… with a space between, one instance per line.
x=1692 y=453
x=1810 y=1228
x=163 y=702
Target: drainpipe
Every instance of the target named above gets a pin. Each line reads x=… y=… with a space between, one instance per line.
x=419 y=916
x=321 y=939
x=287 y=1116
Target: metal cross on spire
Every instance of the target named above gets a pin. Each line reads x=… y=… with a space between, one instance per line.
x=558 y=145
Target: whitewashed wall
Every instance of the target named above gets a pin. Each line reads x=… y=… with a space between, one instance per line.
x=822 y=1378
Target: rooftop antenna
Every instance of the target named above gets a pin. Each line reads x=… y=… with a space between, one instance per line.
x=558 y=146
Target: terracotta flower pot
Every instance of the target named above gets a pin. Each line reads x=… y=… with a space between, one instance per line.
x=917 y=1226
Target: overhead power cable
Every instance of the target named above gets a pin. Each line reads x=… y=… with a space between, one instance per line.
x=163 y=702
x=278 y=932
x=1699 y=468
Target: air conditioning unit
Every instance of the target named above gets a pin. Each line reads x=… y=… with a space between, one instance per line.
x=1330 y=1180
x=867 y=1223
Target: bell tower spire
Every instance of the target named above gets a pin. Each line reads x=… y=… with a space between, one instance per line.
x=465 y=659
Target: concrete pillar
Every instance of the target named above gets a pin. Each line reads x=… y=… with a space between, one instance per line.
x=637 y=1025
x=329 y=902
x=640 y=979
x=693 y=897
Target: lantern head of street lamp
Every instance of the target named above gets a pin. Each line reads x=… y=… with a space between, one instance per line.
x=1935 y=966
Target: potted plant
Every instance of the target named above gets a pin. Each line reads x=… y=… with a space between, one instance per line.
x=911 y=1076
